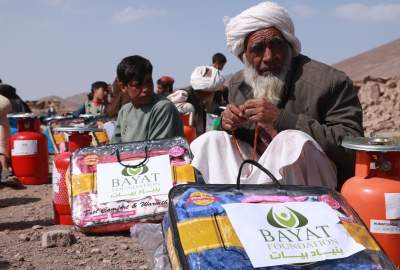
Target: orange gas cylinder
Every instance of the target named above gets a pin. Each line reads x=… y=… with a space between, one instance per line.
x=62 y=210
x=190 y=133
x=29 y=153
x=374 y=191
x=188 y=130
x=78 y=137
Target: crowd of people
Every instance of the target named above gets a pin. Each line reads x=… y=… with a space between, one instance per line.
x=283 y=109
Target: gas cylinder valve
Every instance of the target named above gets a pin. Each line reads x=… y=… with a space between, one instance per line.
x=384 y=164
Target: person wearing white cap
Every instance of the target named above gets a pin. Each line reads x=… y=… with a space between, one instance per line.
x=204 y=82
x=292 y=111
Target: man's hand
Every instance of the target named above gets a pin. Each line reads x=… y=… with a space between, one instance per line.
x=262 y=112
x=233 y=117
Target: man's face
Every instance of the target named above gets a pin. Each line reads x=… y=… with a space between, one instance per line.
x=140 y=94
x=267 y=51
x=203 y=95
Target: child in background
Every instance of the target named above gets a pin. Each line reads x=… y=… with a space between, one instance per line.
x=165 y=86
x=97 y=100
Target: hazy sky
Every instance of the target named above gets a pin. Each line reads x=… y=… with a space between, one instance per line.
x=59 y=47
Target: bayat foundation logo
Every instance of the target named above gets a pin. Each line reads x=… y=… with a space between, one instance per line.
x=286 y=217
x=136 y=181
x=135 y=171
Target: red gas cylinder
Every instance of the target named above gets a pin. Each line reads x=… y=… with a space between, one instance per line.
x=78 y=137
x=188 y=130
x=29 y=153
x=374 y=191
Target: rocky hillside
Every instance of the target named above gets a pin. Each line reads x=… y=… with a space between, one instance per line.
x=383 y=61
x=376 y=76
x=76 y=100
x=61 y=105
x=380 y=100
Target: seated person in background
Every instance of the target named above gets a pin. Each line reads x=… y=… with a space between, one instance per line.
x=180 y=100
x=290 y=113
x=204 y=80
x=97 y=100
x=165 y=85
x=147 y=116
x=5 y=108
x=17 y=104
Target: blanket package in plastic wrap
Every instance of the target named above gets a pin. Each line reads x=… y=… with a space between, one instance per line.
x=113 y=186
x=266 y=227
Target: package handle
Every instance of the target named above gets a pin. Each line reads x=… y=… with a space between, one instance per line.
x=221 y=238
x=146 y=158
x=258 y=165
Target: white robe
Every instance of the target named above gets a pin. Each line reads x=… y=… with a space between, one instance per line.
x=293 y=157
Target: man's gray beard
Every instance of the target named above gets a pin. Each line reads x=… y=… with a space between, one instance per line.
x=268 y=86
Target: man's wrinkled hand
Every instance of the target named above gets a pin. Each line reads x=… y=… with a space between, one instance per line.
x=260 y=111
x=233 y=117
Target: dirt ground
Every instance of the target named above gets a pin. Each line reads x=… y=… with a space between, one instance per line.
x=26 y=213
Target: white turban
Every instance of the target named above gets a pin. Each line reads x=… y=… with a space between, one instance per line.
x=206 y=78
x=263 y=15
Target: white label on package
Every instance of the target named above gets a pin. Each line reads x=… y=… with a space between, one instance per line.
x=24 y=147
x=286 y=233
x=392 y=205
x=116 y=182
x=56 y=176
x=385 y=226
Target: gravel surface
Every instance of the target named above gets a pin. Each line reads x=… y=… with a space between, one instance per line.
x=27 y=229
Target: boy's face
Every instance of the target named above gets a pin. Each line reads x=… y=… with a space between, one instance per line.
x=140 y=94
x=161 y=89
x=219 y=65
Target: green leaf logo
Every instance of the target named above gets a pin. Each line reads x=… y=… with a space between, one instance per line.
x=287 y=218
x=135 y=171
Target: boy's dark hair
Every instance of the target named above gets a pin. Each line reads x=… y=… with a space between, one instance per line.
x=97 y=85
x=218 y=57
x=133 y=68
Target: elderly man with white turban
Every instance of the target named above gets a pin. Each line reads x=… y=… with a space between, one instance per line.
x=292 y=111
